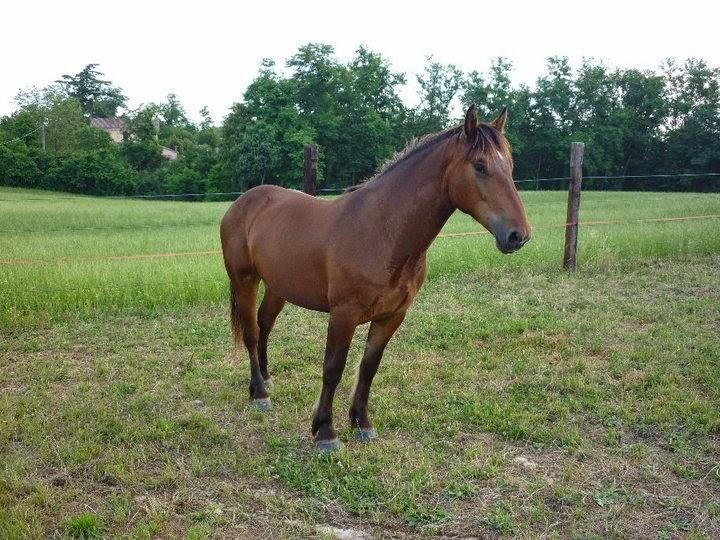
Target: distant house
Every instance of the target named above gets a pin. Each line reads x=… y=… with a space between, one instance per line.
x=115 y=127
x=169 y=153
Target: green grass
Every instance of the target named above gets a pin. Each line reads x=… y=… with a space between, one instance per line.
x=516 y=400
x=68 y=273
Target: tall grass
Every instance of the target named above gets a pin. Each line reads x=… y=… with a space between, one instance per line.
x=53 y=247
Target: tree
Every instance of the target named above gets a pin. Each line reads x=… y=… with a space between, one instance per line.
x=491 y=92
x=598 y=119
x=96 y=96
x=439 y=84
x=314 y=87
x=173 y=113
x=141 y=148
x=692 y=92
x=644 y=114
x=208 y=134
x=634 y=122
x=251 y=153
x=254 y=148
x=372 y=116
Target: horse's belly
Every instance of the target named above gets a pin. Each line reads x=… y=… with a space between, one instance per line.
x=296 y=276
x=305 y=297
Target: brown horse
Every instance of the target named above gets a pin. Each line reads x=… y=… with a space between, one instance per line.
x=362 y=257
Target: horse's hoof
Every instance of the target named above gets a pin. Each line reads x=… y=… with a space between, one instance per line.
x=269 y=384
x=365 y=434
x=262 y=404
x=327 y=447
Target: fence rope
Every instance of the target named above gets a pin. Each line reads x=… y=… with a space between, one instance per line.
x=18 y=262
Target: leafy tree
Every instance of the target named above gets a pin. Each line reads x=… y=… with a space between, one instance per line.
x=173 y=113
x=372 y=115
x=97 y=96
x=439 y=84
x=597 y=117
x=208 y=134
x=141 y=148
x=693 y=96
x=375 y=84
x=314 y=87
x=491 y=92
x=644 y=114
x=62 y=115
x=253 y=157
x=634 y=122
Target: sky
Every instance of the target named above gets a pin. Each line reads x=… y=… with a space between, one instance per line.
x=208 y=52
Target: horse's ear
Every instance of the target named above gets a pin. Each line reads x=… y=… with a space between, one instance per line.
x=499 y=122
x=471 y=123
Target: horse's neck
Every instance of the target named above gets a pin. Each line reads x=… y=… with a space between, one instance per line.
x=415 y=203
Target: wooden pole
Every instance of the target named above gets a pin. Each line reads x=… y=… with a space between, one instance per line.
x=577 y=149
x=42 y=135
x=309 y=168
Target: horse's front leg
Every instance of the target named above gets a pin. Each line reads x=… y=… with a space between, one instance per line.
x=378 y=336
x=340 y=333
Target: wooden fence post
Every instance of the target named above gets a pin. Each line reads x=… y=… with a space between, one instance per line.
x=309 y=168
x=577 y=149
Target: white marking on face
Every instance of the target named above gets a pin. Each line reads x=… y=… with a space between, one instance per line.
x=500 y=155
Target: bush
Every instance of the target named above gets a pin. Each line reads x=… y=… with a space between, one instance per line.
x=181 y=179
x=142 y=155
x=95 y=172
x=19 y=166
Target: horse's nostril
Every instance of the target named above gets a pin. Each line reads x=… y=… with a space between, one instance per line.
x=515 y=239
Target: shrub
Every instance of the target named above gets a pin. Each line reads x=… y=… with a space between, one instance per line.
x=96 y=172
x=18 y=166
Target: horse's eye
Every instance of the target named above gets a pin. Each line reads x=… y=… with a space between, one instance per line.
x=480 y=167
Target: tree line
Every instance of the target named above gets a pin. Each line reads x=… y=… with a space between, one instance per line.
x=633 y=123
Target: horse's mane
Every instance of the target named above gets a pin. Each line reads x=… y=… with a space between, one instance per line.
x=487 y=139
x=415 y=146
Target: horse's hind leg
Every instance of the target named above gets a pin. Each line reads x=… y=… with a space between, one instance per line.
x=270 y=308
x=245 y=327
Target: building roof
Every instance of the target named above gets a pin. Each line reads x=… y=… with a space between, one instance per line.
x=169 y=153
x=108 y=123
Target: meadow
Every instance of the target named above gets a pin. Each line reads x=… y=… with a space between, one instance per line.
x=517 y=400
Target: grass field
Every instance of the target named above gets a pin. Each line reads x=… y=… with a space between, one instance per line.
x=516 y=400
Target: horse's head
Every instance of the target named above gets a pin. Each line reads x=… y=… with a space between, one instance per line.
x=480 y=183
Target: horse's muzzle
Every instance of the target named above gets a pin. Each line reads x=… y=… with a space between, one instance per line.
x=511 y=241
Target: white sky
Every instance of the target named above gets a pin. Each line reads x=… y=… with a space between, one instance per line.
x=207 y=52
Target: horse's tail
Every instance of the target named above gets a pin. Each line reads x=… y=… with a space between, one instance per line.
x=235 y=320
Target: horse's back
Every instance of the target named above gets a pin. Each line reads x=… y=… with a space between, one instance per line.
x=266 y=200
